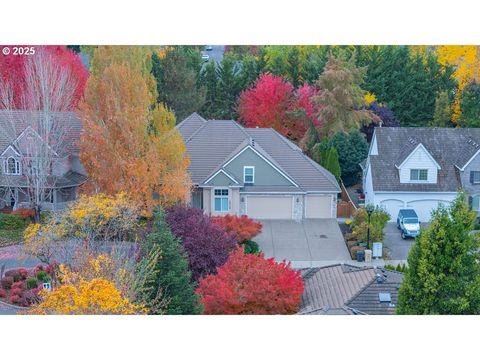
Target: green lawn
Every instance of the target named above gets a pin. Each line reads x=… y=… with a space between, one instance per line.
x=11 y=237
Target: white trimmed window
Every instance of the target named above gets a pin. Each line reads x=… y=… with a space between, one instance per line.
x=12 y=166
x=248 y=174
x=221 y=200
x=418 y=174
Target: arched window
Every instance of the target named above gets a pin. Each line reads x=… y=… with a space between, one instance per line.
x=12 y=166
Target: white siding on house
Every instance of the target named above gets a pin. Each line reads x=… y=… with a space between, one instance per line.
x=422 y=203
x=368 y=185
x=373 y=147
x=419 y=159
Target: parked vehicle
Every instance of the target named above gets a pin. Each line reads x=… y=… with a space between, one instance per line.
x=209 y=47
x=407 y=222
x=205 y=57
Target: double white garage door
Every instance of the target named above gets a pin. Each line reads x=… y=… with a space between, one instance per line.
x=423 y=208
x=282 y=207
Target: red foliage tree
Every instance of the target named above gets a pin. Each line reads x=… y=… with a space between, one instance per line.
x=304 y=95
x=13 y=72
x=269 y=103
x=242 y=227
x=251 y=284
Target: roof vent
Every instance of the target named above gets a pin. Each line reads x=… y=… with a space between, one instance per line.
x=385 y=297
x=412 y=141
x=379 y=278
x=252 y=142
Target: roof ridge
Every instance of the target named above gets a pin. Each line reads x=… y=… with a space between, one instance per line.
x=195 y=132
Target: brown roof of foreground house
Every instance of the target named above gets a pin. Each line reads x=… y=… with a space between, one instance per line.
x=211 y=143
x=348 y=289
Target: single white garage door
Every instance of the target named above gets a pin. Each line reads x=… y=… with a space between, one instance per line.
x=318 y=206
x=392 y=206
x=269 y=207
x=424 y=208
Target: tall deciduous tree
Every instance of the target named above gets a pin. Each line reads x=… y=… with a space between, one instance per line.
x=270 y=103
x=442 y=117
x=443 y=275
x=49 y=82
x=386 y=116
x=177 y=76
x=252 y=285
x=341 y=96
x=128 y=143
x=171 y=274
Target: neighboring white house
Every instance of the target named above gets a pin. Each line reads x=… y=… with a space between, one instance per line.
x=420 y=168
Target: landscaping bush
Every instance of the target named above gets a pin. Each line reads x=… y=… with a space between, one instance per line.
x=7 y=282
x=23 y=273
x=31 y=283
x=251 y=247
x=15 y=274
x=378 y=221
x=3 y=293
x=15 y=299
x=18 y=285
x=42 y=276
x=11 y=222
x=28 y=298
x=16 y=291
x=24 y=213
x=206 y=243
x=242 y=227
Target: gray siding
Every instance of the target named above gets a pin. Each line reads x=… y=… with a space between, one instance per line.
x=471 y=189
x=265 y=174
x=221 y=180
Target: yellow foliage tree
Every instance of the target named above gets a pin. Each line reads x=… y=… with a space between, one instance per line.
x=94 y=297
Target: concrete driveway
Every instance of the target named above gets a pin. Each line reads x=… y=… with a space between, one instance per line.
x=398 y=247
x=310 y=243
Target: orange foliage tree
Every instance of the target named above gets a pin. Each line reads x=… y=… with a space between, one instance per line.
x=129 y=143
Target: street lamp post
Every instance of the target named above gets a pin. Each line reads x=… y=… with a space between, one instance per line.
x=369 y=209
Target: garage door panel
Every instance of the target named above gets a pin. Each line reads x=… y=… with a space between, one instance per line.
x=424 y=208
x=318 y=207
x=392 y=206
x=269 y=207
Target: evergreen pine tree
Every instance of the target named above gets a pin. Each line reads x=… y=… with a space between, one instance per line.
x=470 y=106
x=210 y=81
x=227 y=88
x=171 y=276
x=443 y=275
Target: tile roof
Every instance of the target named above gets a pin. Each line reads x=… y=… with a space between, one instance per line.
x=211 y=143
x=450 y=147
x=14 y=122
x=348 y=289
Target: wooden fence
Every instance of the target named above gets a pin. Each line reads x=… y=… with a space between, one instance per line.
x=345 y=207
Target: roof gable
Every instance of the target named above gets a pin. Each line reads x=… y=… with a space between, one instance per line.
x=418 y=148
x=221 y=178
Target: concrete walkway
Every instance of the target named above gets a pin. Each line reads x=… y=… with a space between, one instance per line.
x=310 y=243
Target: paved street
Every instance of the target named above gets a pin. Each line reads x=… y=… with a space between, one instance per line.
x=216 y=53
x=393 y=241
x=309 y=243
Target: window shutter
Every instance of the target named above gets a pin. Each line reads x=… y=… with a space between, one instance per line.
x=471 y=177
x=470 y=201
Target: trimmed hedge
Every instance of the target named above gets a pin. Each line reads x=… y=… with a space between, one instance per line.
x=11 y=222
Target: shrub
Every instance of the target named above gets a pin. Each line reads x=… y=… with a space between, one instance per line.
x=15 y=299
x=3 y=293
x=7 y=282
x=18 y=285
x=42 y=276
x=206 y=243
x=251 y=247
x=31 y=283
x=16 y=291
x=11 y=222
x=378 y=220
x=28 y=298
x=24 y=213
x=23 y=273
x=14 y=273
x=251 y=284
x=242 y=227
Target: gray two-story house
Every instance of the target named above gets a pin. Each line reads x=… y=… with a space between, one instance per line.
x=420 y=168
x=255 y=172
x=20 y=146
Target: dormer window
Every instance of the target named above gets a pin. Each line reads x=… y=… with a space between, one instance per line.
x=248 y=174
x=12 y=166
x=418 y=174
